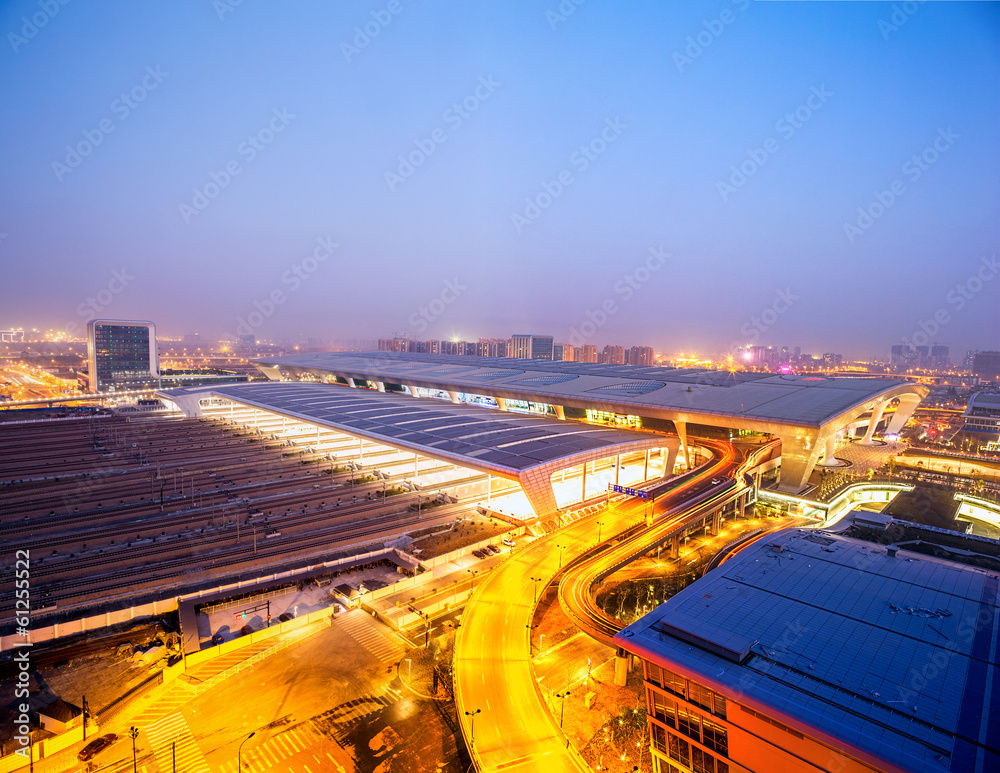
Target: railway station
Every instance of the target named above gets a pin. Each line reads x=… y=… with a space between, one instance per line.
x=519 y=466
x=812 y=415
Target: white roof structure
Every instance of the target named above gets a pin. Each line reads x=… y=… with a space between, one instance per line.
x=805 y=411
x=522 y=447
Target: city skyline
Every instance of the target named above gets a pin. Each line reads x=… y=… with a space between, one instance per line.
x=605 y=175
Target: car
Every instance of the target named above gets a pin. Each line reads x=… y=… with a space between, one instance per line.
x=493 y=549
x=479 y=553
x=218 y=638
x=246 y=630
x=284 y=617
x=509 y=542
x=96 y=746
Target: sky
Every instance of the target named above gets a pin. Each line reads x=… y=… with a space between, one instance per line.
x=688 y=176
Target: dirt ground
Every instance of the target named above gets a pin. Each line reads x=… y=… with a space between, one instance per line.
x=465 y=531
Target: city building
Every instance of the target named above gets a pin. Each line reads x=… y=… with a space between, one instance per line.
x=585 y=353
x=970 y=358
x=121 y=354
x=810 y=414
x=813 y=651
x=492 y=347
x=939 y=357
x=531 y=347
x=11 y=336
x=982 y=414
x=640 y=355
x=612 y=355
x=986 y=365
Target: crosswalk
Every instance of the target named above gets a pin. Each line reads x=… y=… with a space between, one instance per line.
x=339 y=721
x=275 y=753
x=173 y=730
x=364 y=630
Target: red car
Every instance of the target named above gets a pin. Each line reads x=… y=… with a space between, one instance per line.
x=95 y=746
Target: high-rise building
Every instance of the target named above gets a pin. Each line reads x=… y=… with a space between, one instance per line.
x=394 y=344
x=970 y=357
x=121 y=354
x=531 y=347
x=640 y=355
x=493 y=347
x=613 y=355
x=939 y=356
x=986 y=365
x=568 y=353
x=585 y=353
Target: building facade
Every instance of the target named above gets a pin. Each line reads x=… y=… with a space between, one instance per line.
x=121 y=354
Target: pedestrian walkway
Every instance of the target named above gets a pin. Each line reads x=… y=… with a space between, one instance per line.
x=172 y=735
x=365 y=630
x=276 y=752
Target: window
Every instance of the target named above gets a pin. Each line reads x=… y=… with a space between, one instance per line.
x=720 y=706
x=715 y=736
x=688 y=723
x=653 y=674
x=661 y=707
x=679 y=749
x=659 y=738
x=675 y=683
x=700 y=696
x=702 y=762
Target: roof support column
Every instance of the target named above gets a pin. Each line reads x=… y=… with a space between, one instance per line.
x=501 y=403
x=618 y=466
x=645 y=468
x=682 y=433
x=829 y=460
x=413 y=390
x=380 y=386
x=670 y=460
x=454 y=397
x=877 y=412
x=537 y=487
x=798 y=457
x=583 y=485
x=907 y=405
x=560 y=412
x=351 y=384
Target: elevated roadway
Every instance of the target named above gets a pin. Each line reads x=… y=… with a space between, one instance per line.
x=503 y=716
x=680 y=508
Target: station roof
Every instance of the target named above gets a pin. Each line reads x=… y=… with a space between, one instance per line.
x=808 y=401
x=837 y=639
x=475 y=437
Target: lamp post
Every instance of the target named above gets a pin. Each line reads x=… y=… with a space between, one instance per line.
x=536 y=580
x=472 y=725
x=133 y=733
x=473 y=572
x=561 y=548
x=562 y=710
x=599 y=525
x=239 y=753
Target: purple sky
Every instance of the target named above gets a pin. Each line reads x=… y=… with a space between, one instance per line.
x=685 y=176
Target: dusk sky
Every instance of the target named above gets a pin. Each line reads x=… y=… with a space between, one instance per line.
x=680 y=175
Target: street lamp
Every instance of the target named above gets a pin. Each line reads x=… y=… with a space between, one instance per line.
x=473 y=572
x=599 y=525
x=562 y=710
x=133 y=733
x=239 y=753
x=536 y=580
x=472 y=725
x=561 y=548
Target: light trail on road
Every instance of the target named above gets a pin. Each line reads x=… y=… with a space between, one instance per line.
x=502 y=712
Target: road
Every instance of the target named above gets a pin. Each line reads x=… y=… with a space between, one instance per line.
x=500 y=705
x=680 y=506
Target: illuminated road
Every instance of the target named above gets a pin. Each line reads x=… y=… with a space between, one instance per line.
x=500 y=706
x=679 y=507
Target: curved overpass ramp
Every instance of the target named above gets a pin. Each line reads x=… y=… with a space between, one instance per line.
x=502 y=713
x=680 y=509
